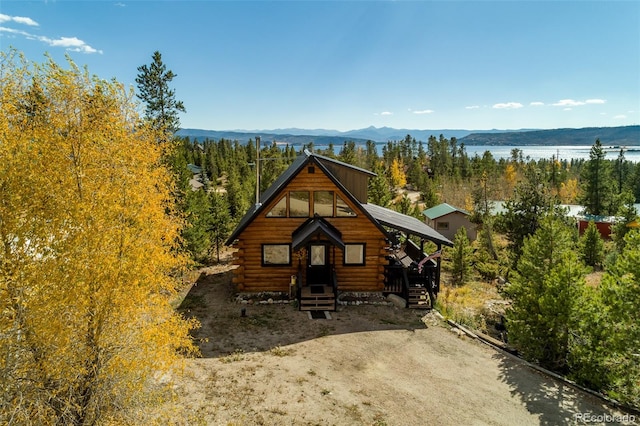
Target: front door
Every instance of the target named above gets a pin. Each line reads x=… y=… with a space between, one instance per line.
x=318 y=265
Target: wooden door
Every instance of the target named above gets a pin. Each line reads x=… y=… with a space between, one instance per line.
x=318 y=264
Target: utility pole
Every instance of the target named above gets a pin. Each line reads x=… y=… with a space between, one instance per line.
x=257 y=170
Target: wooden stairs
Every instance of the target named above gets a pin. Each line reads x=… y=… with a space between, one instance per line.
x=317 y=297
x=419 y=298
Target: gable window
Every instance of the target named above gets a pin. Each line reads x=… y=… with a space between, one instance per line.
x=354 y=254
x=442 y=226
x=276 y=254
x=343 y=209
x=323 y=203
x=299 y=204
x=279 y=209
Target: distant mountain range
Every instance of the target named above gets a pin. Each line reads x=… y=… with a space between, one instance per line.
x=610 y=136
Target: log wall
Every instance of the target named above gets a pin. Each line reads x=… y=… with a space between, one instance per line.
x=251 y=276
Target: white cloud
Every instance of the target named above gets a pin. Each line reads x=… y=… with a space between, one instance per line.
x=536 y=104
x=25 y=21
x=508 y=105
x=620 y=117
x=574 y=103
x=386 y=113
x=472 y=107
x=424 y=111
x=567 y=109
x=568 y=103
x=120 y=4
x=18 y=19
x=72 y=44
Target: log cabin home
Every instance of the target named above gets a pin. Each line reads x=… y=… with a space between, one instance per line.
x=314 y=235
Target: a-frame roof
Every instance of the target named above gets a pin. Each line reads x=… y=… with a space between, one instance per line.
x=281 y=182
x=380 y=216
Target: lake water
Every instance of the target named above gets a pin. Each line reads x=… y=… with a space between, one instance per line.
x=537 y=152
x=529 y=152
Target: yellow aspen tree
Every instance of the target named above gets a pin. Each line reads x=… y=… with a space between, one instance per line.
x=569 y=191
x=510 y=176
x=398 y=178
x=88 y=239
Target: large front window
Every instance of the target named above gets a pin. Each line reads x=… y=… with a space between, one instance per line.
x=299 y=204
x=323 y=203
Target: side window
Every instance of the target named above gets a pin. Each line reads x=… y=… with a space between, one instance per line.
x=276 y=254
x=299 y=204
x=354 y=254
x=442 y=226
x=280 y=209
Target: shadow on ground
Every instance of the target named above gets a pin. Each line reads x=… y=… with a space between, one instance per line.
x=225 y=331
x=552 y=400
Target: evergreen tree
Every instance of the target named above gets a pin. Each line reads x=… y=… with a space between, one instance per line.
x=220 y=221
x=626 y=214
x=161 y=106
x=404 y=206
x=196 y=232
x=597 y=185
x=591 y=246
x=530 y=202
x=379 y=189
x=461 y=257
x=607 y=344
x=544 y=290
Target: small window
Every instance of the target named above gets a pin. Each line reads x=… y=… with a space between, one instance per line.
x=342 y=209
x=354 y=254
x=323 y=203
x=299 y=204
x=442 y=226
x=280 y=209
x=276 y=254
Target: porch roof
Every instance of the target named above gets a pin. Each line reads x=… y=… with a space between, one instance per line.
x=314 y=227
x=404 y=223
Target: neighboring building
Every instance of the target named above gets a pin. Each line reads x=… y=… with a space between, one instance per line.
x=447 y=219
x=604 y=224
x=314 y=232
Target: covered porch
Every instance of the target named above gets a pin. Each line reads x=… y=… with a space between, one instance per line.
x=410 y=273
x=317 y=285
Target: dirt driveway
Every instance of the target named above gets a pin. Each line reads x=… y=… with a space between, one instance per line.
x=367 y=365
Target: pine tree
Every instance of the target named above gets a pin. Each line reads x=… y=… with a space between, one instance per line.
x=220 y=221
x=461 y=257
x=591 y=246
x=161 y=106
x=379 y=189
x=597 y=189
x=530 y=202
x=544 y=290
x=607 y=343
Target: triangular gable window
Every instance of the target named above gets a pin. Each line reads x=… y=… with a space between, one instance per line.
x=343 y=209
x=279 y=209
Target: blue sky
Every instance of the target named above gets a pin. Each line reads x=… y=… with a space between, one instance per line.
x=348 y=65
